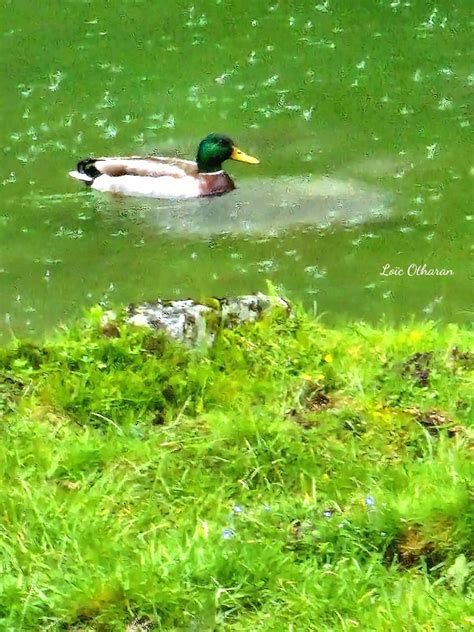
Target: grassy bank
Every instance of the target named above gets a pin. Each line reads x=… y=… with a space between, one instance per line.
x=292 y=477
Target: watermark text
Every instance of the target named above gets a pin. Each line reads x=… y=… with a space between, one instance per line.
x=414 y=270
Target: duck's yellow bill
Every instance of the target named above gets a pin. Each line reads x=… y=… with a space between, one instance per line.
x=237 y=154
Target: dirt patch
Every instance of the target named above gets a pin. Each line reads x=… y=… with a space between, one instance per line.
x=417 y=367
x=435 y=421
x=412 y=547
x=317 y=400
x=312 y=400
x=465 y=359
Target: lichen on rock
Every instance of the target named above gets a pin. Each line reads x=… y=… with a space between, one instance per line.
x=193 y=322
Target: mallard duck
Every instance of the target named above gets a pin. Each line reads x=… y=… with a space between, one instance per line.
x=154 y=176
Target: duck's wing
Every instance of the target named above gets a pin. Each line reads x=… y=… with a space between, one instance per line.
x=149 y=166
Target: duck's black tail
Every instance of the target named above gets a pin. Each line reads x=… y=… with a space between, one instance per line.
x=88 y=168
x=86 y=171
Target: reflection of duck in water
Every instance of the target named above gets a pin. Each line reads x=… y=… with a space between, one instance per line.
x=159 y=177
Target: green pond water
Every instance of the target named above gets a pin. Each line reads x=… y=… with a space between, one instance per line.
x=358 y=112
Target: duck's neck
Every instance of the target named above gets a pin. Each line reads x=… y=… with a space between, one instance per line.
x=208 y=166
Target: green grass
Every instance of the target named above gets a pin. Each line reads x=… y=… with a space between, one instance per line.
x=292 y=477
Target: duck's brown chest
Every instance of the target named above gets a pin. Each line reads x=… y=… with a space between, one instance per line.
x=215 y=183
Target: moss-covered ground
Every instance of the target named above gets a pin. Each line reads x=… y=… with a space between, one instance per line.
x=291 y=477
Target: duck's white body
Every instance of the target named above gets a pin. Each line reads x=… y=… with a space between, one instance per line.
x=167 y=187
x=146 y=186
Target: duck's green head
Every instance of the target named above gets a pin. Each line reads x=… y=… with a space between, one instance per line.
x=216 y=148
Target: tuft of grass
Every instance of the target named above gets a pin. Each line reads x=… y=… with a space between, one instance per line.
x=291 y=477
